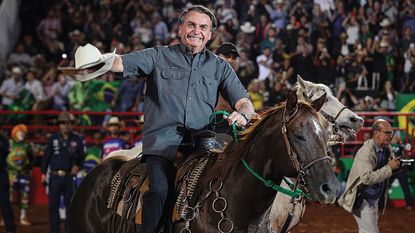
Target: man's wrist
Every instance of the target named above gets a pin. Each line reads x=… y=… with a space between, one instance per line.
x=245 y=117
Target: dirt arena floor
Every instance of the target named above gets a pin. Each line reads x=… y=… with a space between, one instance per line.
x=317 y=219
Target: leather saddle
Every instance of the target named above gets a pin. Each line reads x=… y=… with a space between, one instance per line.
x=130 y=182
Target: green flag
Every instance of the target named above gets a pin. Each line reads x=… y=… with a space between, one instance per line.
x=405 y=103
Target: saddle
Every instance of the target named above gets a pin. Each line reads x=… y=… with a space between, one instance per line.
x=130 y=182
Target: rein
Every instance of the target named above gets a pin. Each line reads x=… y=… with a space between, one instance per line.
x=297 y=192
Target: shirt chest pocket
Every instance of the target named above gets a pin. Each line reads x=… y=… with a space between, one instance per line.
x=208 y=87
x=173 y=81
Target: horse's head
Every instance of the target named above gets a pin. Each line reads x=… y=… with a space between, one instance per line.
x=306 y=143
x=345 y=123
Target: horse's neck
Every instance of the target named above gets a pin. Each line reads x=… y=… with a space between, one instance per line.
x=248 y=197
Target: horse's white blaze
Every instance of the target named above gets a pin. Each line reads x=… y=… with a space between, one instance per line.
x=318 y=129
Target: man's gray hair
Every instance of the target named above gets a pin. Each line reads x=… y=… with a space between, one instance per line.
x=200 y=9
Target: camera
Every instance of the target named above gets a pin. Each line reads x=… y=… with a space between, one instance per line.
x=399 y=151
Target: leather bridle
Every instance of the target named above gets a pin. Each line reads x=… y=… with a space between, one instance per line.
x=301 y=169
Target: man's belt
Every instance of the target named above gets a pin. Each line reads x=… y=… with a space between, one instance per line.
x=60 y=173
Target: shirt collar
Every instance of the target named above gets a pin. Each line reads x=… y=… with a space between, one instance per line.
x=186 y=50
x=378 y=149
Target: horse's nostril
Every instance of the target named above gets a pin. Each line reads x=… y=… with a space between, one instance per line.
x=354 y=119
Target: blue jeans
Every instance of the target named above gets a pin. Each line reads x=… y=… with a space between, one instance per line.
x=158 y=200
x=59 y=186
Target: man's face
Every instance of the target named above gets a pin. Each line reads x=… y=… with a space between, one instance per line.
x=65 y=127
x=195 y=31
x=230 y=58
x=384 y=136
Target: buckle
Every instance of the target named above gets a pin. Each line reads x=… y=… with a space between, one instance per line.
x=61 y=173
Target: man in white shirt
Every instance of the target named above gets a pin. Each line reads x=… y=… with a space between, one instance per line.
x=264 y=64
x=11 y=87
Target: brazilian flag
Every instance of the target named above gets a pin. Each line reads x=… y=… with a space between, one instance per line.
x=405 y=103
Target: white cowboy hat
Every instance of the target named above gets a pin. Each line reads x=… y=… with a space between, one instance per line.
x=247 y=27
x=385 y=23
x=87 y=57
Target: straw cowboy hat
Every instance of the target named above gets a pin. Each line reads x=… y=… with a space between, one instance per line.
x=66 y=117
x=247 y=27
x=114 y=120
x=89 y=57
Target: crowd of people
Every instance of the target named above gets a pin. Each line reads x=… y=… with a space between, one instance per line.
x=363 y=50
x=359 y=50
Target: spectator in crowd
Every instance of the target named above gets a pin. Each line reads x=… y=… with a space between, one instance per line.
x=278 y=14
x=60 y=91
x=34 y=86
x=229 y=52
x=49 y=28
x=5 y=207
x=408 y=82
x=113 y=141
x=19 y=57
x=367 y=185
x=246 y=68
x=277 y=94
x=264 y=64
x=159 y=27
x=11 y=87
x=161 y=143
x=64 y=155
x=378 y=52
x=255 y=94
x=129 y=95
x=19 y=166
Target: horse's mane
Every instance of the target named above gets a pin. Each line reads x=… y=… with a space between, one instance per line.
x=234 y=152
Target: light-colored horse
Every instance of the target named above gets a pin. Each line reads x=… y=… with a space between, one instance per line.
x=340 y=122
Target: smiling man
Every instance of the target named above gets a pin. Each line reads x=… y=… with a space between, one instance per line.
x=183 y=85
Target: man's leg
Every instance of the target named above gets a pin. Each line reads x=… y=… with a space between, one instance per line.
x=368 y=219
x=54 y=198
x=154 y=200
x=5 y=206
x=67 y=195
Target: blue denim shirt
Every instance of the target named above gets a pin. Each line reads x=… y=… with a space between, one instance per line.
x=182 y=92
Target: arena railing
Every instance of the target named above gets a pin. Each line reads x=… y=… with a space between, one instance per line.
x=400 y=121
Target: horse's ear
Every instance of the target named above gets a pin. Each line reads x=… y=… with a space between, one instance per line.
x=291 y=104
x=318 y=103
x=301 y=82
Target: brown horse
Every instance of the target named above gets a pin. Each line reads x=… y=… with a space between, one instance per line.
x=287 y=141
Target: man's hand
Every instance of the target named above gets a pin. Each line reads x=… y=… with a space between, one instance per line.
x=394 y=163
x=237 y=118
x=43 y=179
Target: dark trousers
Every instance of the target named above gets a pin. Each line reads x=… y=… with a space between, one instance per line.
x=157 y=201
x=5 y=206
x=59 y=185
x=403 y=181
